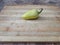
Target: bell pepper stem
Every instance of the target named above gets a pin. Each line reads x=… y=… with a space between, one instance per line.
x=40 y=10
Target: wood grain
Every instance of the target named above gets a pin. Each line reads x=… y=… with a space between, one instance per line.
x=48 y=24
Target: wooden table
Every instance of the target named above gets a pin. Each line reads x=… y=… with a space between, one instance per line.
x=14 y=28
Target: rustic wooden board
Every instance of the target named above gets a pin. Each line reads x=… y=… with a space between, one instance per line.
x=14 y=28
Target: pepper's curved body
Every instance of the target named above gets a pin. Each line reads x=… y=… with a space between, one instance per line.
x=32 y=14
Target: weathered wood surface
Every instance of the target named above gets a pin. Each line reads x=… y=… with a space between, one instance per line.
x=14 y=28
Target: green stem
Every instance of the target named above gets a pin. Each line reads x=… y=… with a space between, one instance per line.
x=40 y=10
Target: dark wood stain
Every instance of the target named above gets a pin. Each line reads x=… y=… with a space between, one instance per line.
x=58 y=19
x=7 y=29
x=29 y=43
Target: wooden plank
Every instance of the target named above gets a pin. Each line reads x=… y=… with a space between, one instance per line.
x=12 y=26
x=29 y=39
